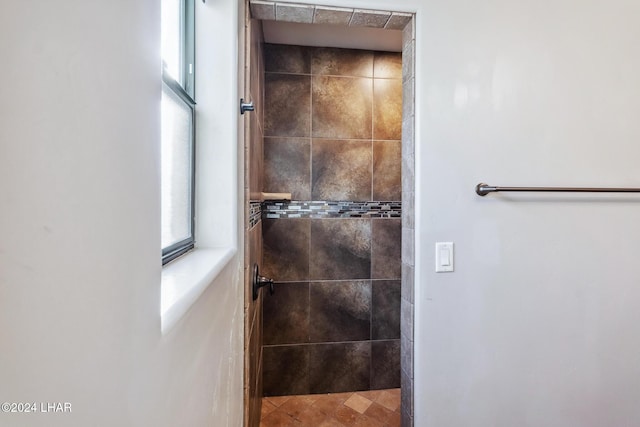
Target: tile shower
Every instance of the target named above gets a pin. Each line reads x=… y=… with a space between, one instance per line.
x=332 y=137
x=253 y=228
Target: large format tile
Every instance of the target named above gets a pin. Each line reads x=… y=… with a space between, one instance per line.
x=280 y=58
x=252 y=371
x=387 y=109
x=342 y=107
x=387 y=65
x=287 y=167
x=286 y=314
x=255 y=157
x=387 y=170
x=287 y=105
x=385 y=309
x=285 y=370
x=385 y=364
x=341 y=170
x=340 y=249
x=342 y=62
x=286 y=249
x=339 y=367
x=386 y=248
x=255 y=256
x=340 y=311
x=256 y=66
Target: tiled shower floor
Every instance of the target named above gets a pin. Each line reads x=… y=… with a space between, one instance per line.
x=375 y=408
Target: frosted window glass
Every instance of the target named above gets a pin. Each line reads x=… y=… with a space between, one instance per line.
x=176 y=155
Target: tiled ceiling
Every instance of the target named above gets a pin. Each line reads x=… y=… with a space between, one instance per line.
x=335 y=26
x=311 y=14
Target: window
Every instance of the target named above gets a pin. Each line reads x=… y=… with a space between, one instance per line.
x=178 y=128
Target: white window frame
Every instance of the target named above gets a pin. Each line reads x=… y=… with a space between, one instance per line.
x=183 y=89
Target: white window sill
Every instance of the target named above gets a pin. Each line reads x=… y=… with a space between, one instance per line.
x=185 y=279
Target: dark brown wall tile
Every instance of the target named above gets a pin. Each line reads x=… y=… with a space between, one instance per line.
x=387 y=65
x=286 y=249
x=385 y=309
x=340 y=249
x=355 y=100
x=256 y=68
x=386 y=248
x=342 y=107
x=341 y=170
x=254 y=255
x=342 y=62
x=256 y=156
x=339 y=367
x=340 y=311
x=286 y=314
x=253 y=244
x=255 y=347
x=287 y=59
x=385 y=364
x=387 y=109
x=387 y=170
x=287 y=105
x=287 y=167
x=285 y=370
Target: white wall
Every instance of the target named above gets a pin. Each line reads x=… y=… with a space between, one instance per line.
x=79 y=224
x=539 y=324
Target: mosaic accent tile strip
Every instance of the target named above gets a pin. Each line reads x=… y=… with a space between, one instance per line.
x=255 y=213
x=325 y=209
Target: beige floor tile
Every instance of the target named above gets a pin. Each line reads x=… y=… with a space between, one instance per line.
x=294 y=406
x=327 y=404
x=353 y=409
x=330 y=422
x=395 y=420
x=267 y=408
x=390 y=401
x=370 y=394
x=346 y=415
x=358 y=403
x=311 y=417
x=366 y=421
x=378 y=412
x=277 y=419
x=278 y=400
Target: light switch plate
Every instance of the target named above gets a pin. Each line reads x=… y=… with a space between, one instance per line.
x=444 y=257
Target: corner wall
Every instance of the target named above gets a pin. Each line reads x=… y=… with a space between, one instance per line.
x=80 y=247
x=538 y=324
x=407 y=309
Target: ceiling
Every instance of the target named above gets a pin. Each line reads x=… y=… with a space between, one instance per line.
x=329 y=35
